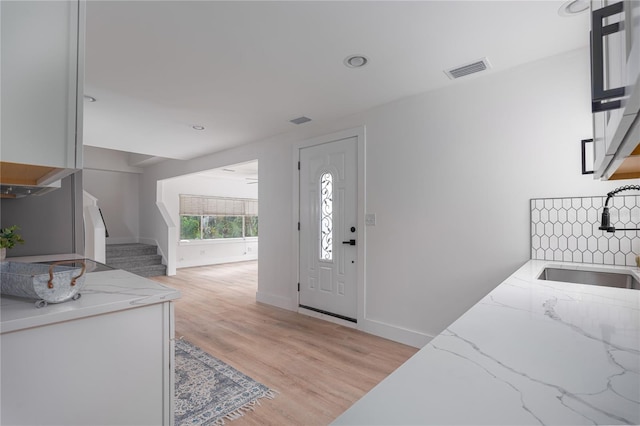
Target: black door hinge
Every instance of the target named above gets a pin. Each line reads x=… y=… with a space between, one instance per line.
x=298 y=226
x=298 y=286
x=298 y=165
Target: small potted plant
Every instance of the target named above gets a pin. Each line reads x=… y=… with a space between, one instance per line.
x=8 y=239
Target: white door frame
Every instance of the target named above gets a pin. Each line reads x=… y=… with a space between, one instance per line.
x=359 y=134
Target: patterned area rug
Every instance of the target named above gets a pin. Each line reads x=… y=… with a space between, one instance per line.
x=208 y=391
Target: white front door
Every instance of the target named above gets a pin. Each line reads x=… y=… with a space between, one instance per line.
x=328 y=234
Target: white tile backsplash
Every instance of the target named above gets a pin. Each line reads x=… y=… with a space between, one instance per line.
x=566 y=229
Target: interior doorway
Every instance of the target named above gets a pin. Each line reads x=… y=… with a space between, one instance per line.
x=214 y=215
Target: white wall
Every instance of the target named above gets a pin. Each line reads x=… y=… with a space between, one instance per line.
x=50 y=223
x=209 y=252
x=117 y=195
x=108 y=177
x=109 y=159
x=448 y=173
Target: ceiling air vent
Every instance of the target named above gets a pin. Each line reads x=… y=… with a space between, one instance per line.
x=300 y=120
x=467 y=69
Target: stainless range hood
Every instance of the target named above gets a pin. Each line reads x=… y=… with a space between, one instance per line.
x=19 y=191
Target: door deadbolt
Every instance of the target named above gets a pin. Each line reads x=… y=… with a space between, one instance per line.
x=353 y=229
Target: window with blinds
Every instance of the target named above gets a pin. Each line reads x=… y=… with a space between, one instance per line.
x=217 y=206
x=207 y=218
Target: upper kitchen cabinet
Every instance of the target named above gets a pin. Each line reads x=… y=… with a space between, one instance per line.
x=615 y=74
x=41 y=79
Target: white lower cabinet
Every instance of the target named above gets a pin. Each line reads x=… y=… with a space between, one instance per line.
x=111 y=369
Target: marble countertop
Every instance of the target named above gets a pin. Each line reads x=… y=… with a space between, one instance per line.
x=531 y=352
x=46 y=257
x=103 y=292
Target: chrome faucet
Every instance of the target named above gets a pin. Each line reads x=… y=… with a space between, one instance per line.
x=605 y=223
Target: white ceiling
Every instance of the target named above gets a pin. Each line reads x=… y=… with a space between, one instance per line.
x=244 y=69
x=246 y=172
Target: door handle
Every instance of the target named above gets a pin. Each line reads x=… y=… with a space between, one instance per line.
x=350 y=242
x=599 y=31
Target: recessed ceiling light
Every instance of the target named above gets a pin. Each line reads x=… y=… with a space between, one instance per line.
x=197 y=127
x=573 y=7
x=89 y=98
x=356 y=61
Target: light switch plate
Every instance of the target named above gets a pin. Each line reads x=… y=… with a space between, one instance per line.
x=370 y=219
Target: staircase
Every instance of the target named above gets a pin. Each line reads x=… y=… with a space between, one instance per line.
x=139 y=259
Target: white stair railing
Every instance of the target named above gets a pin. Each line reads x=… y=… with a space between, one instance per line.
x=167 y=241
x=95 y=242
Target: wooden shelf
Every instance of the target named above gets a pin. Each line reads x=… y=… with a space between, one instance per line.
x=630 y=167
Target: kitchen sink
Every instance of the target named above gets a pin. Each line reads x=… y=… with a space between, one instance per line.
x=621 y=279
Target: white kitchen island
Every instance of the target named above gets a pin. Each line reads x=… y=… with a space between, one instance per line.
x=106 y=358
x=531 y=352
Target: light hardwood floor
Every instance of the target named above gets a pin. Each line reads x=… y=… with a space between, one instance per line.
x=319 y=368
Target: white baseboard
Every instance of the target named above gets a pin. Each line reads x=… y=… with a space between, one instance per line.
x=150 y=241
x=413 y=338
x=397 y=334
x=189 y=263
x=277 y=301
